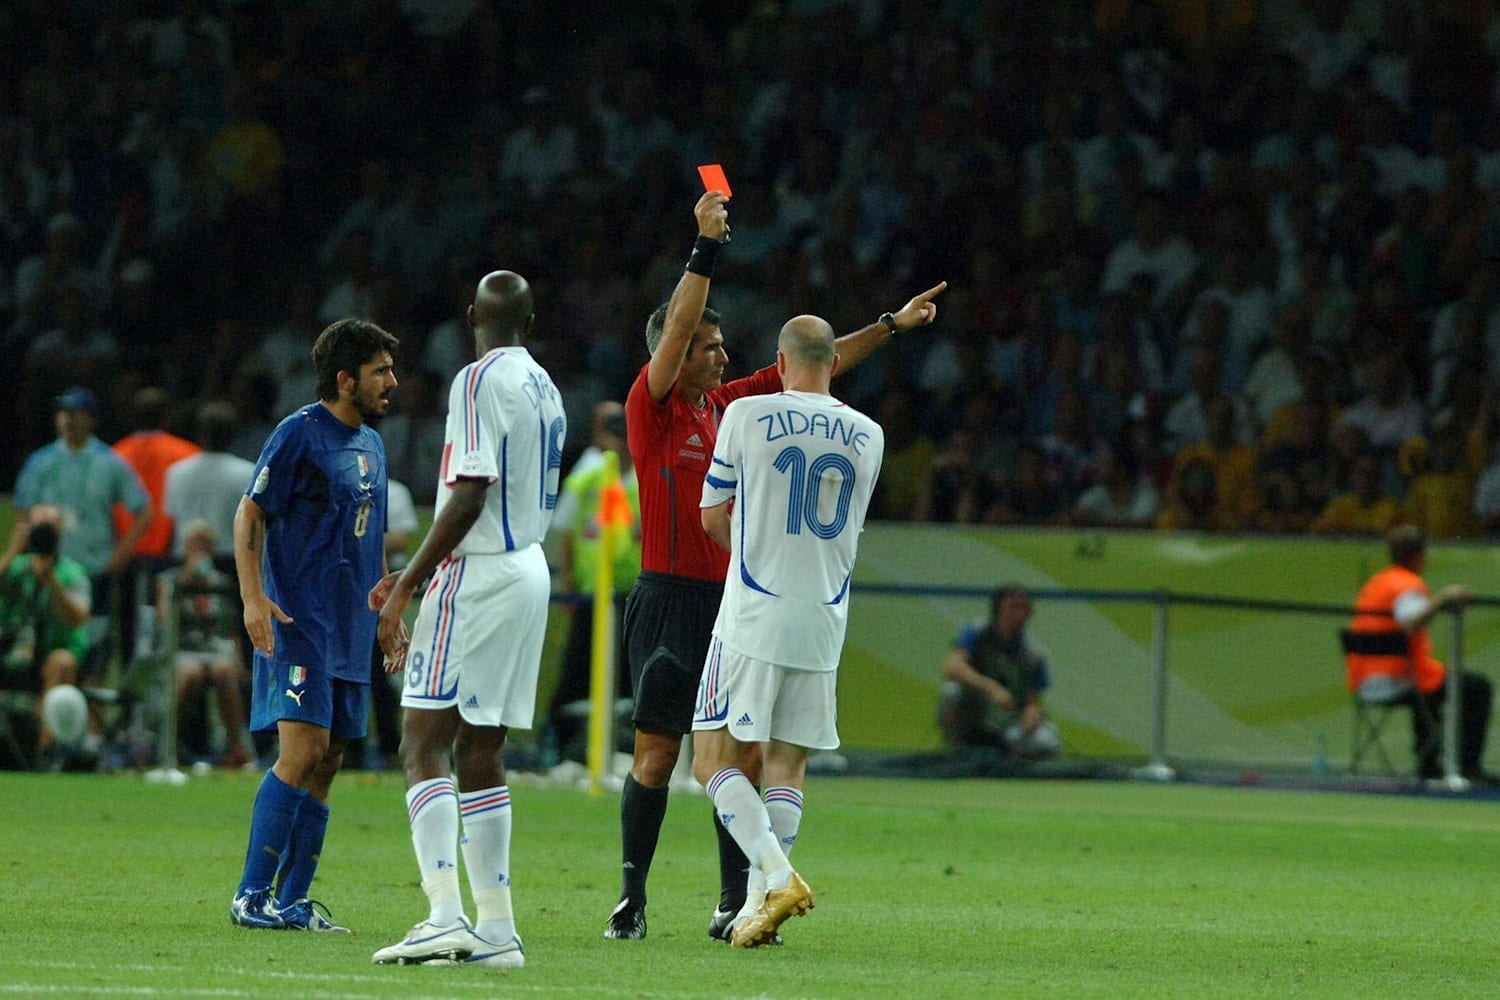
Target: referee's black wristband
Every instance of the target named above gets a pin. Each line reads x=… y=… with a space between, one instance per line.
x=705 y=253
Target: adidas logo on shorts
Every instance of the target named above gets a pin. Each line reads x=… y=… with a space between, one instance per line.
x=744 y=720
x=473 y=702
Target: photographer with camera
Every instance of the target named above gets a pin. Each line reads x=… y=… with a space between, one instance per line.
x=44 y=611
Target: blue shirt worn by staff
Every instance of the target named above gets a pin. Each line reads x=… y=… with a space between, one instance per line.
x=322 y=485
x=84 y=483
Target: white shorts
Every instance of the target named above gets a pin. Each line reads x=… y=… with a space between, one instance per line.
x=757 y=700
x=477 y=643
x=218 y=651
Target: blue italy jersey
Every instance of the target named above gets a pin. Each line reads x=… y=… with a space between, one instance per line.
x=322 y=485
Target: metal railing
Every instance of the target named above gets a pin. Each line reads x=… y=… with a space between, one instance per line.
x=1158 y=766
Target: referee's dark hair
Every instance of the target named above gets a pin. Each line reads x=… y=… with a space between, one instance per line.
x=658 y=322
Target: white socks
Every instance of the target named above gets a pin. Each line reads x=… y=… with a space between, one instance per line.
x=432 y=808
x=744 y=815
x=486 y=847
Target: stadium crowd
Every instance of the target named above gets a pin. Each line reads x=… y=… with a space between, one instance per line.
x=1214 y=265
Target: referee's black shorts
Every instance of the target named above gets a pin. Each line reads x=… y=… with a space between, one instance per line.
x=668 y=623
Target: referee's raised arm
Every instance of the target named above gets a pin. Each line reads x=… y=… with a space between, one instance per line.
x=685 y=307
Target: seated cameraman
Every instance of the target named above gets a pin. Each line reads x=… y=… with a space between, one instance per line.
x=44 y=611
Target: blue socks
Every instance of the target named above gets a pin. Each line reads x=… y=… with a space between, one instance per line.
x=272 y=819
x=302 y=854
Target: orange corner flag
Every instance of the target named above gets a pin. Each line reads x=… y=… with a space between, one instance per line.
x=614 y=509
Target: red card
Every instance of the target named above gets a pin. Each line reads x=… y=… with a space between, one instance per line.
x=714 y=179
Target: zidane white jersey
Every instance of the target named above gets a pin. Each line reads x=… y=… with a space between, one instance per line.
x=506 y=425
x=800 y=468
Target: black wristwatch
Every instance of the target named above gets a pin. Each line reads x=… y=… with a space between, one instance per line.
x=889 y=321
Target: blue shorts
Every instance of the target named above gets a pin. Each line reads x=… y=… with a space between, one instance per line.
x=285 y=691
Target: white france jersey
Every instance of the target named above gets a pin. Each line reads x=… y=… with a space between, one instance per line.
x=506 y=425
x=800 y=468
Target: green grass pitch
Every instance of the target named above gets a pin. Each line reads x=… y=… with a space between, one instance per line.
x=960 y=889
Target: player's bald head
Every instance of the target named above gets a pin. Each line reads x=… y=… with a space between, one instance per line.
x=502 y=310
x=807 y=340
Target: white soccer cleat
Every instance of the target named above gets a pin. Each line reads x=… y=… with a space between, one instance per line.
x=427 y=942
x=497 y=956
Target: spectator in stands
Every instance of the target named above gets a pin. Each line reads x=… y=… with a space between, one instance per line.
x=1155 y=250
x=1396 y=599
x=993 y=680
x=1186 y=422
x=42 y=277
x=908 y=460
x=1285 y=506
x=1027 y=495
x=284 y=352
x=1389 y=413
x=1365 y=509
x=1096 y=155
x=207 y=635
x=1072 y=450
x=377 y=194
x=208 y=487
x=949 y=494
x=150 y=450
x=44 y=611
x=252 y=394
x=1439 y=485
x=1236 y=486
x=412 y=241
x=539 y=151
x=1275 y=376
x=1381 y=118
x=354 y=293
x=1121 y=497
x=1247 y=313
x=1192 y=499
x=84 y=479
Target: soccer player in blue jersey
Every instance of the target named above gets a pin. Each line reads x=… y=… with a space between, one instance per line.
x=308 y=546
x=475 y=651
x=787 y=492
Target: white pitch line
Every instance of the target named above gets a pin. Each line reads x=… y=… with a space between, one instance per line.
x=485 y=983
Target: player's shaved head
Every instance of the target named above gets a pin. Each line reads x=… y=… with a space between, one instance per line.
x=807 y=340
x=502 y=311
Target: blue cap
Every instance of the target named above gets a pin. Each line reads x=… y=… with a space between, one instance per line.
x=76 y=398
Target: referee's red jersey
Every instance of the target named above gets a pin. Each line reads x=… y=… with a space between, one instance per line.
x=671 y=443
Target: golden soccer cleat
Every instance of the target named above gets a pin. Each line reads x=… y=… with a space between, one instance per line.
x=792 y=901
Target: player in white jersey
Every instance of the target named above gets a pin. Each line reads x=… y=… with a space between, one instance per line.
x=472 y=658
x=799 y=467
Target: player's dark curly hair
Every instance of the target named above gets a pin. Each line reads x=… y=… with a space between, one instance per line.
x=658 y=321
x=344 y=346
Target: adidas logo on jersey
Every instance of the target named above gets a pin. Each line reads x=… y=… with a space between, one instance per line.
x=695 y=441
x=744 y=720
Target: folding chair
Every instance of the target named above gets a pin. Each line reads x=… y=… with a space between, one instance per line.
x=1378 y=695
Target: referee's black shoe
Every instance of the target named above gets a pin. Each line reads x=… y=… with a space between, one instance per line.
x=627 y=923
x=721 y=927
